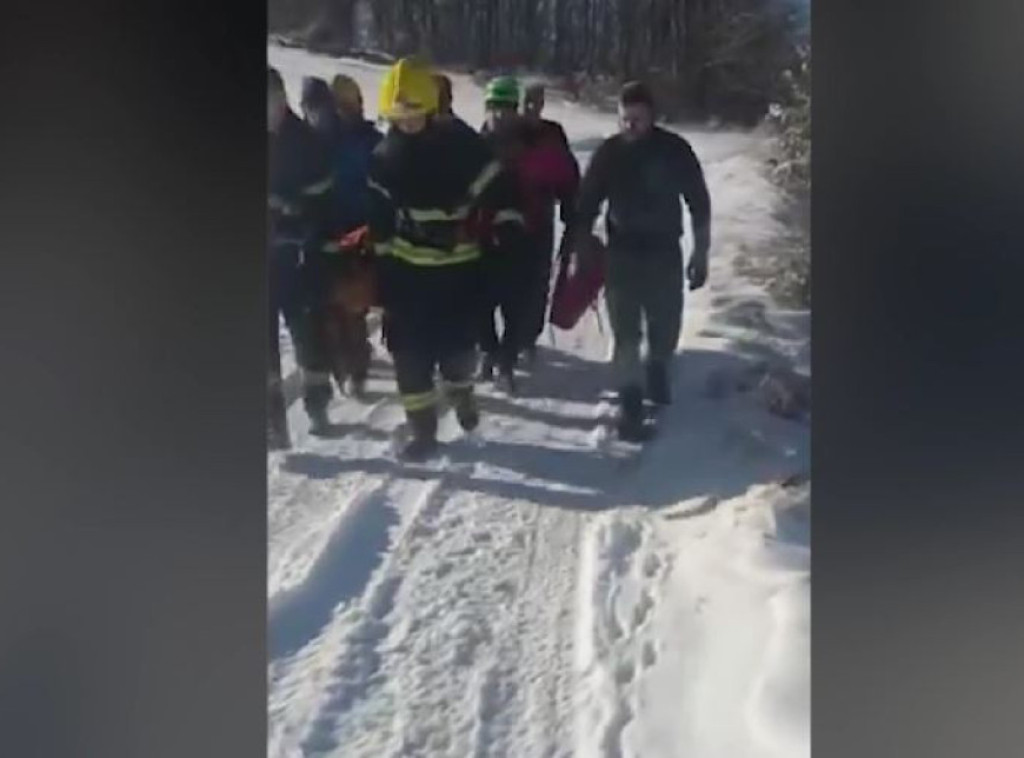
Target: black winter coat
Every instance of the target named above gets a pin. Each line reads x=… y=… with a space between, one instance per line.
x=642 y=182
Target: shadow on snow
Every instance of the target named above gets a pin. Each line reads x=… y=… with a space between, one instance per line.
x=708 y=444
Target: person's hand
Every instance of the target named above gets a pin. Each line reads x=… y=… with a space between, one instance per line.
x=697 y=270
x=356 y=241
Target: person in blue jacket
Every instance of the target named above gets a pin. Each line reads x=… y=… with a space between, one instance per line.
x=298 y=209
x=335 y=112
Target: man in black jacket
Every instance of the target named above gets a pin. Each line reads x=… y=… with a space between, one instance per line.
x=641 y=172
x=298 y=201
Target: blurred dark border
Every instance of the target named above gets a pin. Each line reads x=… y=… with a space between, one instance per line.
x=133 y=547
x=918 y=261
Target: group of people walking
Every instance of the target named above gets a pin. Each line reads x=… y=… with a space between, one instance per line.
x=443 y=228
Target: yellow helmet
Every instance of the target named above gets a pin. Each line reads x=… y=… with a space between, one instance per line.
x=409 y=89
x=347 y=93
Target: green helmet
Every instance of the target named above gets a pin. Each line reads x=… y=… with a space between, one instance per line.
x=502 y=89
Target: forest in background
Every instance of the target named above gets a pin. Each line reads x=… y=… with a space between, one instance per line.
x=720 y=59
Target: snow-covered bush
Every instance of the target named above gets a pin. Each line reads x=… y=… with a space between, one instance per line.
x=790 y=117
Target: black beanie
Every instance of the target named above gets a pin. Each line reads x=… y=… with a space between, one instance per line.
x=316 y=93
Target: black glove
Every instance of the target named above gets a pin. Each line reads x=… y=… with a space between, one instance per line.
x=697 y=270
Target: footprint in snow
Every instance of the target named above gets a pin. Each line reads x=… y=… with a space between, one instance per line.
x=651 y=565
x=649 y=654
x=642 y=610
x=505 y=587
x=442 y=570
x=624 y=672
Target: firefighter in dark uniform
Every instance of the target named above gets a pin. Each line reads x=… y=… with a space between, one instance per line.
x=437 y=200
x=299 y=186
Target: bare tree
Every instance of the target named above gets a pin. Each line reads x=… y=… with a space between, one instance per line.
x=708 y=56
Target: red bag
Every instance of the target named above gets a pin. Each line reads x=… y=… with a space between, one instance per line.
x=576 y=290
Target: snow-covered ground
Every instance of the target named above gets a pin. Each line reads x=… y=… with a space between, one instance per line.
x=532 y=594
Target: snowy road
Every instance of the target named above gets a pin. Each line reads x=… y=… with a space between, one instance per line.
x=530 y=594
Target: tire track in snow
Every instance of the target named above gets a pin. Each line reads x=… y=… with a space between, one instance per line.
x=544 y=634
x=447 y=680
x=354 y=653
x=472 y=661
x=341 y=670
x=294 y=498
x=340 y=573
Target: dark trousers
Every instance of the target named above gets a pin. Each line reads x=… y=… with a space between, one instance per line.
x=643 y=287
x=510 y=292
x=537 y=288
x=296 y=293
x=431 y=324
x=414 y=373
x=504 y=348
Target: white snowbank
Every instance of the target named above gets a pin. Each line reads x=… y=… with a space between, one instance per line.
x=693 y=630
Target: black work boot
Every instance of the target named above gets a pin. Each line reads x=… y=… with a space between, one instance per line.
x=466 y=411
x=486 y=373
x=506 y=381
x=632 y=426
x=319 y=422
x=530 y=357
x=357 y=387
x=658 y=390
x=277 y=421
x=316 y=398
x=423 y=442
x=277 y=437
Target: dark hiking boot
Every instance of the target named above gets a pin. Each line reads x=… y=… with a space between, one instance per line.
x=357 y=388
x=319 y=422
x=507 y=361
x=506 y=382
x=419 y=449
x=658 y=390
x=340 y=377
x=530 y=358
x=487 y=366
x=632 y=424
x=277 y=420
x=423 y=440
x=466 y=411
x=277 y=438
